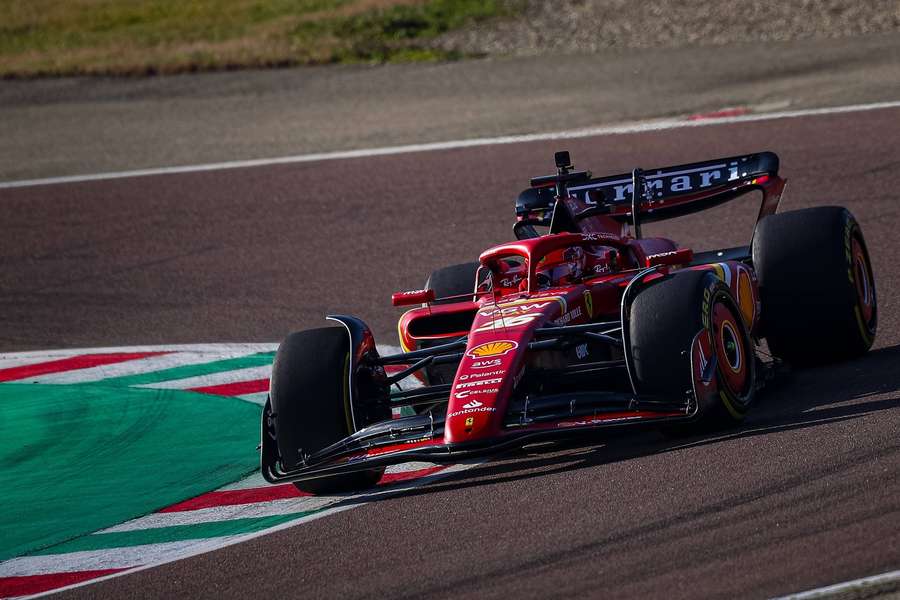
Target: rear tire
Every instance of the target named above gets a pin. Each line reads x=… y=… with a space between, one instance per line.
x=311 y=403
x=665 y=319
x=816 y=285
x=448 y=281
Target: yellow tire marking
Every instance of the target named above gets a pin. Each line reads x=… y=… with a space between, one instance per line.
x=738 y=415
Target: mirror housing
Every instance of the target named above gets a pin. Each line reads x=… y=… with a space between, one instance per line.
x=412 y=297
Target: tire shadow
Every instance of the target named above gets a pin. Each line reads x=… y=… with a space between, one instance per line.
x=801 y=400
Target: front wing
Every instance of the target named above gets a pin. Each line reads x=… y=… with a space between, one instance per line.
x=421 y=437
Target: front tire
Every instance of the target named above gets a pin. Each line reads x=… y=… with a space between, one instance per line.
x=665 y=319
x=310 y=400
x=816 y=285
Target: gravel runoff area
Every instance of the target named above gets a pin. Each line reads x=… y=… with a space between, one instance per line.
x=583 y=26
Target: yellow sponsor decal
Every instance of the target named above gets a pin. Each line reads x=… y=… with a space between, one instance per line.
x=492 y=349
x=745 y=297
x=719 y=271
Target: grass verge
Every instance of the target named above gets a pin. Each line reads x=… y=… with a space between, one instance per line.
x=141 y=37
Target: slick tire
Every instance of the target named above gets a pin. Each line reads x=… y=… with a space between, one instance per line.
x=310 y=400
x=452 y=281
x=664 y=320
x=448 y=281
x=816 y=285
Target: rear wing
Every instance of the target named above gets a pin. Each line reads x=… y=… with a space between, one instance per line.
x=670 y=192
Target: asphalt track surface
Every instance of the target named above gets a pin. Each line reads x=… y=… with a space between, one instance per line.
x=806 y=493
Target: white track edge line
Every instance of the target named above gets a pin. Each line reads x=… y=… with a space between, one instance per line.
x=624 y=128
x=211 y=546
x=864 y=582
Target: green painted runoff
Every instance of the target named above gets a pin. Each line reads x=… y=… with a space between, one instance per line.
x=78 y=458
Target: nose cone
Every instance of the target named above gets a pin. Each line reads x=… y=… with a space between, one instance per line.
x=474 y=421
x=482 y=382
x=494 y=357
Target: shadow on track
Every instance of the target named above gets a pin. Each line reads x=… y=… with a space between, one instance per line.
x=801 y=400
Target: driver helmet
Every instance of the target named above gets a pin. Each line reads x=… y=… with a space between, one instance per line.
x=568 y=268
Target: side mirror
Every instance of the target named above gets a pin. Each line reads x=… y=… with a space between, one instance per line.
x=412 y=297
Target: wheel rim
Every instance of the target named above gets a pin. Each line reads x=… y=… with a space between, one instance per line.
x=731 y=346
x=865 y=292
x=731 y=349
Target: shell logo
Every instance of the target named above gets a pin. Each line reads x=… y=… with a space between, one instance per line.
x=492 y=349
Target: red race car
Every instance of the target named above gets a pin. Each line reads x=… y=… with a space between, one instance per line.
x=586 y=326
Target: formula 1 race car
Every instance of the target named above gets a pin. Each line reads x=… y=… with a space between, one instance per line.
x=587 y=326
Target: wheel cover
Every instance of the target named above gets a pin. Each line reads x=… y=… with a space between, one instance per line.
x=732 y=349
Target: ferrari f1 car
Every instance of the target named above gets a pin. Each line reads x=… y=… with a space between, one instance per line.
x=580 y=324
